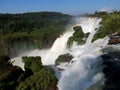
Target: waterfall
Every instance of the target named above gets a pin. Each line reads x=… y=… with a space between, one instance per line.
x=85 y=69
x=58 y=48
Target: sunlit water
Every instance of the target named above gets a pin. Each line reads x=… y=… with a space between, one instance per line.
x=86 y=68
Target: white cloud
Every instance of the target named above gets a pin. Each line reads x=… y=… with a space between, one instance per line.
x=106 y=9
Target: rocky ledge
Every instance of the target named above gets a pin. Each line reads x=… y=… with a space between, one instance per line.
x=112 y=70
x=114 y=38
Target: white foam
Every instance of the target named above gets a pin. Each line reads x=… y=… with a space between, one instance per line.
x=84 y=71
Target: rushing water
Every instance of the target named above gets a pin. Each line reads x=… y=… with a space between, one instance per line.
x=85 y=69
x=58 y=48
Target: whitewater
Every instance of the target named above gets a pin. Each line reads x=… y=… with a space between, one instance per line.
x=84 y=70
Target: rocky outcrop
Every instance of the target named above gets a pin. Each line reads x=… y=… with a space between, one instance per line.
x=78 y=36
x=9 y=77
x=35 y=76
x=63 y=58
x=8 y=74
x=114 y=38
x=112 y=70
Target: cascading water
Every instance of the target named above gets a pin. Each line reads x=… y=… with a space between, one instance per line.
x=58 y=48
x=48 y=55
x=85 y=69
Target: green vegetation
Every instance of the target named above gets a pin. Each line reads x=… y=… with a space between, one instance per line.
x=109 y=25
x=39 y=30
x=43 y=80
x=78 y=36
x=35 y=76
x=8 y=74
x=27 y=31
x=32 y=63
x=30 y=30
x=63 y=58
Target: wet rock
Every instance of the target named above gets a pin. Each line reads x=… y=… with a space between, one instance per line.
x=9 y=76
x=114 y=39
x=112 y=70
x=63 y=58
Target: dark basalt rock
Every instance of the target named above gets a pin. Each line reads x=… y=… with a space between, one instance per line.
x=4 y=61
x=114 y=39
x=9 y=73
x=112 y=70
x=9 y=76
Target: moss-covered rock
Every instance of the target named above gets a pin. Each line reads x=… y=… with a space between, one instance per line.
x=78 y=32
x=42 y=80
x=78 y=36
x=63 y=58
x=35 y=76
x=43 y=77
x=32 y=63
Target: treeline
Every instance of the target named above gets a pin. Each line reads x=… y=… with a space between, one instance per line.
x=103 y=13
x=27 y=22
x=30 y=30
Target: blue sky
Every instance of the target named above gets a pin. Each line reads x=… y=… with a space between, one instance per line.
x=66 y=6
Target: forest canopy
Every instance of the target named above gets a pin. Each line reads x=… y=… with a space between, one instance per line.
x=30 y=30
